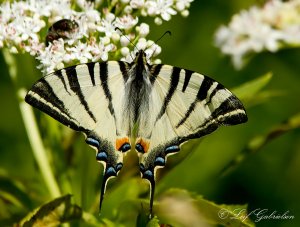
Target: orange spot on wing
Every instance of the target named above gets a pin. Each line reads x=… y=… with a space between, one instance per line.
x=120 y=142
x=145 y=144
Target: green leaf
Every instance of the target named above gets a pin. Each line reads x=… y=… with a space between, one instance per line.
x=123 y=193
x=154 y=222
x=13 y=191
x=53 y=213
x=259 y=141
x=180 y=208
x=143 y=219
x=108 y=223
x=250 y=91
x=250 y=88
x=280 y=129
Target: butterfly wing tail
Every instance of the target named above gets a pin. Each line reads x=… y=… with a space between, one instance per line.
x=111 y=159
x=149 y=175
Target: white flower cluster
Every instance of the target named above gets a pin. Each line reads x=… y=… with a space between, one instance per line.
x=160 y=9
x=24 y=26
x=276 y=25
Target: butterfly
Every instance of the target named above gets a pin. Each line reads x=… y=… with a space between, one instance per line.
x=162 y=106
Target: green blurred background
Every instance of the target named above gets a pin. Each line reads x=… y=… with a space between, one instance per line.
x=267 y=178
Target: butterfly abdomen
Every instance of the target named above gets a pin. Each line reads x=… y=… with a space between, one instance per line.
x=136 y=105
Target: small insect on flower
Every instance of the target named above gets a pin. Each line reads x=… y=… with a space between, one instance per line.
x=61 y=29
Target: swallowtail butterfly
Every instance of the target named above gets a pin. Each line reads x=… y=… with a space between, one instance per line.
x=107 y=100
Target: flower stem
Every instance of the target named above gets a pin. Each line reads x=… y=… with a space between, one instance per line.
x=32 y=131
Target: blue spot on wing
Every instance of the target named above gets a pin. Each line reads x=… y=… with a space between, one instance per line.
x=101 y=156
x=110 y=171
x=148 y=174
x=172 y=149
x=159 y=161
x=119 y=167
x=142 y=168
x=125 y=147
x=139 y=148
x=93 y=142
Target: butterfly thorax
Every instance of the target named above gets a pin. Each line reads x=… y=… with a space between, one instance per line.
x=137 y=90
x=140 y=62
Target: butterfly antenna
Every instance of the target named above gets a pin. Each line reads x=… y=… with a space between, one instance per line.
x=118 y=29
x=167 y=32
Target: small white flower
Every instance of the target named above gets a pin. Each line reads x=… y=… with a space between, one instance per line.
x=150 y=43
x=124 y=41
x=157 y=61
x=105 y=50
x=157 y=50
x=107 y=26
x=292 y=35
x=183 y=4
x=149 y=53
x=6 y=13
x=14 y=50
x=185 y=13
x=158 y=21
x=105 y=40
x=127 y=58
x=115 y=37
x=137 y=4
x=141 y=44
x=143 y=29
x=81 y=52
x=128 y=10
x=161 y=7
x=34 y=47
x=126 y=22
x=52 y=56
x=125 y=51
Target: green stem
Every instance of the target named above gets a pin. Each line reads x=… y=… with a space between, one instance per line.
x=39 y=151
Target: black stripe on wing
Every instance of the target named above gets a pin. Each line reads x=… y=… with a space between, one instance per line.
x=154 y=70
x=229 y=106
x=212 y=94
x=173 y=86
x=188 y=75
x=91 y=67
x=201 y=95
x=205 y=86
x=230 y=112
x=42 y=90
x=62 y=79
x=103 y=78
x=75 y=87
x=124 y=67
